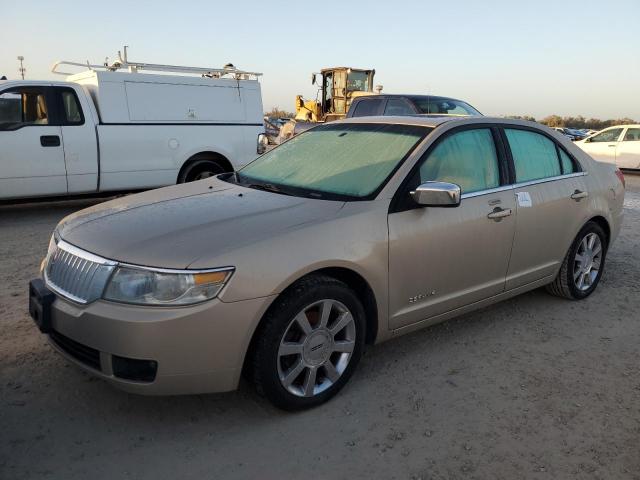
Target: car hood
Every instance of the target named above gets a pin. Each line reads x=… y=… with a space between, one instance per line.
x=173 y=227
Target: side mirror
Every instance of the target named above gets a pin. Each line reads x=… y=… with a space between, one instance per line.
x=313 y=79
x=437 y=194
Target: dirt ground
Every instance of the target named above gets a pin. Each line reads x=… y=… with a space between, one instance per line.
x=534 y=387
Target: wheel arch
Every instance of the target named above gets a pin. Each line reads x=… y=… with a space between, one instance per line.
x=204 y=156
x=604 y=224
x=353 y=280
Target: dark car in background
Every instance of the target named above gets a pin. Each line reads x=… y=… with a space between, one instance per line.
x=371 y=105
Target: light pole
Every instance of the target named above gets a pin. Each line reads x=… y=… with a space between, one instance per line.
x=21 y=69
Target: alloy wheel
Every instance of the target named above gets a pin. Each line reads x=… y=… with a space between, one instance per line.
x=587 y=262
x=316 y=348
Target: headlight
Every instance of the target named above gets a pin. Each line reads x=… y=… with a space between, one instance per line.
x=165 y=287
x=53 y=243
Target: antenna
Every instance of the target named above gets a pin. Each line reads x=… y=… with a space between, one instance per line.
x=21 y=69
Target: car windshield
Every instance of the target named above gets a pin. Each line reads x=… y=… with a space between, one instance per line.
x=335 y=161
x=444 y=106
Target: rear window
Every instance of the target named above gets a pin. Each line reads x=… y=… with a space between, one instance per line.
x=367 y=108
x=72 y=110
x=444 y=106
x=398 y=106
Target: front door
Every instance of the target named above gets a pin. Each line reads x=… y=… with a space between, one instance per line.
x=31 y=153
x=602 y=147
x=441 y=259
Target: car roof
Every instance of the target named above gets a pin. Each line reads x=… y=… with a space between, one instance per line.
x=434 y=121
x=408 y=95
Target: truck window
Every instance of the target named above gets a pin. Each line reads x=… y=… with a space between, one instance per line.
x=72 y=110
x=23 y=107
x=367 y=108
x=398 y=106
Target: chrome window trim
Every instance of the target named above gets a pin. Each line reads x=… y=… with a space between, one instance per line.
x=489 y=191
x=514 y=186
x=549 y=179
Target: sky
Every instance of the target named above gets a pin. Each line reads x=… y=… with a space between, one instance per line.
x=504 y=57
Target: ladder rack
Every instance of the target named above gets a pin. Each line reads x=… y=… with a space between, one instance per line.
x=134 y=67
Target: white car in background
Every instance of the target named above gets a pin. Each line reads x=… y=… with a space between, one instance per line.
x=619 y=145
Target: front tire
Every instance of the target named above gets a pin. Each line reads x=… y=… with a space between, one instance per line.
x=583 y=265
x=309 y=344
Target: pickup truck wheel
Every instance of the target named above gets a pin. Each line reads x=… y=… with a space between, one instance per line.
x=200 y=170
x=309 y=344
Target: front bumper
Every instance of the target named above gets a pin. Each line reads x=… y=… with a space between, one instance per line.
x=194 y=349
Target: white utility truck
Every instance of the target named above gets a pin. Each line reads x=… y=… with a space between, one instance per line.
x=112 y=127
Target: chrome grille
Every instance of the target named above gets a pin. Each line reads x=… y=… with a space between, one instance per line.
x=76 y=274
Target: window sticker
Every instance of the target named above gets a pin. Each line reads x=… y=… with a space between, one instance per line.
x=524 y=199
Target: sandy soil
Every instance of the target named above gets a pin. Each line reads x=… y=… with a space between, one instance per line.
x=535 y=387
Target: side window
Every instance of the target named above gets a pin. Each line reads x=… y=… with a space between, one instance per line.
x=71 y=107
x=534 y=155
x=23 y=107
x=607 y=136
x=467 y=158
x=367 y=108
x=632 y=135
x=398 y=106
x=567 y=163
x=10 y=109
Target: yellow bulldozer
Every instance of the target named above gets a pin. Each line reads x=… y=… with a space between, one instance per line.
x=337 y=87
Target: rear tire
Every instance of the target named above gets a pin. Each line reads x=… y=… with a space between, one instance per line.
x=200 y=170
x=583 y=265
x=309 y=343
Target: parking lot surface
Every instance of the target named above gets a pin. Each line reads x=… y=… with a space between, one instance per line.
x=534 y=387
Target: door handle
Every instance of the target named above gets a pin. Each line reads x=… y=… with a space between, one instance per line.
x=579 y=195
x=499 y=213
x=611 y=146
x=50 y=140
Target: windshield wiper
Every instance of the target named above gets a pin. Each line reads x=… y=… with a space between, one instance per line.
x=267 y=187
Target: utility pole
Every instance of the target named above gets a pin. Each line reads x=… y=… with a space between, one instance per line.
x=21 y=69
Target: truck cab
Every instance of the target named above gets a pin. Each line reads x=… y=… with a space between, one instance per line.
x=47 y=138
x=118 y=128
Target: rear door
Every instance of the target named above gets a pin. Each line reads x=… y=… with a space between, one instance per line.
x=551 y=202
x=628 y=150
x=441 y=259
x=31 y=153
x=80 y=141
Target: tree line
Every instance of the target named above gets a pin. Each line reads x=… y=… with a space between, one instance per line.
x=576 y=122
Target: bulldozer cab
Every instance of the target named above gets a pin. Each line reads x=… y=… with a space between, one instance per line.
x=339 y=86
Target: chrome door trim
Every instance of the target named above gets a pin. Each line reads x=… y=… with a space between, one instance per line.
x=487 y=192
x=550 y=179
x=523 y=184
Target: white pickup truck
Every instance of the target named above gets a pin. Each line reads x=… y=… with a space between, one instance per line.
x=114 y=128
